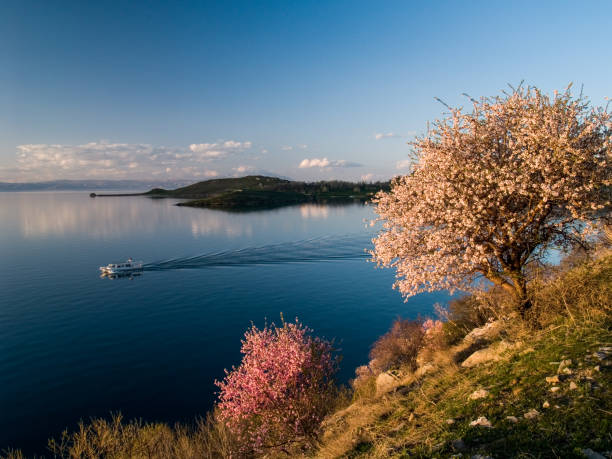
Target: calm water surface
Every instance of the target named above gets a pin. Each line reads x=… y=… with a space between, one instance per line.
x=74 y=345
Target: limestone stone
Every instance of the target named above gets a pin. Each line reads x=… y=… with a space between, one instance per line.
x=590 y=454
x=385 y=382
x=487 y=332
x=426 y=368
x=564 y=364
x=481 y=422
x=489 y=354
x=477 y=394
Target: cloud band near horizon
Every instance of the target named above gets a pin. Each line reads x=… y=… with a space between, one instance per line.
x=120 y=160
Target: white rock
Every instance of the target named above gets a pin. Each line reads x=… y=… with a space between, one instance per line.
x=385 y=382
x=590 y=454
x=512 y=419
x=604 y=352
x=486 y=332
x=573 y=386
x=480 y=393
x=546 y=404
x=489 y=354
x=482 y=422
x=555 y=389
x=563 y=364
x=531 y=414
x=424 y=369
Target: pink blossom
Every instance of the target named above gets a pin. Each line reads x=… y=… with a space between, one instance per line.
x=492 y=190
x=282 y=388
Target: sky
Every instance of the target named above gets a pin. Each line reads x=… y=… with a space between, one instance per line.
x=310 y=90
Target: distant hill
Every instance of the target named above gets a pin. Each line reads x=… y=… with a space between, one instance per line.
x=261 y=192
x=212 y=187
x=89 y=185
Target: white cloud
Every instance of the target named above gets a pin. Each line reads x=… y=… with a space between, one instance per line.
x=404 y=164
x=324 y=162
x=314 y=162
x=242 y=169
x=115 y=161
x=303 y=146
x=204 y=151
x=286 y=147
x=386 y=135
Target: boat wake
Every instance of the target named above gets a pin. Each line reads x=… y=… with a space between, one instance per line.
x=328 y=248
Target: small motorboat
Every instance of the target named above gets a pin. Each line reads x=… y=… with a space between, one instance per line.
x=127 y=267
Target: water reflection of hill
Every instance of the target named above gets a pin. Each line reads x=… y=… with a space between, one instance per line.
x=47 y=214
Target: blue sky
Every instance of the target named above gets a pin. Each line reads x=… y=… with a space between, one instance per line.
x=198 y=90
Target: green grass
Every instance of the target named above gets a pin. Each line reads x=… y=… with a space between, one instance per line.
x=576 y=419
x=415 y=423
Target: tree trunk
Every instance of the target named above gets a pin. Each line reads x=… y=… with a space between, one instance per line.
x=520 y=291
x=518 y=288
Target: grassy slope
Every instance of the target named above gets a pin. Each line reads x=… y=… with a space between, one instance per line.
x=412 y=421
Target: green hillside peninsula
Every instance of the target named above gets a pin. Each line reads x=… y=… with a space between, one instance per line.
x=256 y=192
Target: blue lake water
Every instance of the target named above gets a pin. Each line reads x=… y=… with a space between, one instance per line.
x=74 y=345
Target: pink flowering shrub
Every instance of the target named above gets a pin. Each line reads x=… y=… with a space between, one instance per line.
x=282 y=389
x=434 y=334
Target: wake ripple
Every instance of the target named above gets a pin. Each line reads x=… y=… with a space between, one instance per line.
x=326 y=248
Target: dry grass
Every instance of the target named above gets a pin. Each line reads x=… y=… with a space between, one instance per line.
x=398 y=347
x=115 y=438
x=349 y=426
x=583 y=294
x=571 y=318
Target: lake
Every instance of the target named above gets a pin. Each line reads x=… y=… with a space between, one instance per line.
x=74 y=345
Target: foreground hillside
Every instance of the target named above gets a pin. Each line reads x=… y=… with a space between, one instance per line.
x=505 y=390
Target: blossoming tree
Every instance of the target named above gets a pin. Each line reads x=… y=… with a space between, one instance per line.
x=491 y=190
x=281 y=390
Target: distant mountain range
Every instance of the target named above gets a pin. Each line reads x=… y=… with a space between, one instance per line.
x=94 y=185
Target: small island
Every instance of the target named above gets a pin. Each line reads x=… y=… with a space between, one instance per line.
x=258 y=192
